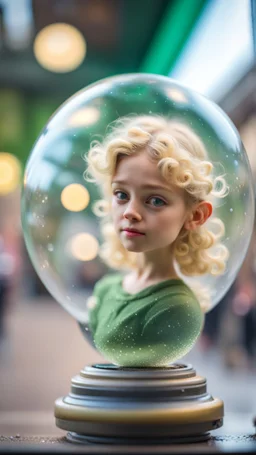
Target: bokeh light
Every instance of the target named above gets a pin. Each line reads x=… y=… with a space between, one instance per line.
x=75 y=197
x=84 y=246
x=84 y=117
x=10 y=173
x=60 y=47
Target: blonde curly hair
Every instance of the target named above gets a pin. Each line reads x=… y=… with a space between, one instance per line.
x=182 y=160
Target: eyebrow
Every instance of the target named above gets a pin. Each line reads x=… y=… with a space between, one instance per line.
x=149 y=186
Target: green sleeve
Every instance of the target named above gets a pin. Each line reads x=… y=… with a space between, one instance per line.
x=99 y=292
x=172 y=327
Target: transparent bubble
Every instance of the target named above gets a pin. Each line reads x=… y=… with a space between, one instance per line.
x=63 y=235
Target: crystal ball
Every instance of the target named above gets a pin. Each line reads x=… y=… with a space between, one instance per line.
x=66 y=199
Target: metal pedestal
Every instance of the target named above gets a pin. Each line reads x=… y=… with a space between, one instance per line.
x=113 y=405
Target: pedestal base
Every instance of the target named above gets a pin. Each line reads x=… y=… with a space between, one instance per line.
x=109 y=404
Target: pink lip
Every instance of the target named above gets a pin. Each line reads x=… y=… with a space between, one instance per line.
x=131 y=233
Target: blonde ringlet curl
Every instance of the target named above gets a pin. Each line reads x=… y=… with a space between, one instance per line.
x=183 y=161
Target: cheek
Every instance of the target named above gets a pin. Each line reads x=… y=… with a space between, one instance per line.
x=113 y=204
x=116 y=210
x=173 y=220
x=161 y=222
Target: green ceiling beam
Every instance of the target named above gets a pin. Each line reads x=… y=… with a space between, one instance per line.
x=170 y=37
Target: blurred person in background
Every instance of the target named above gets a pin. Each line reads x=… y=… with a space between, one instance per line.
x=244 y=305
x=238 y=325
x=6 y=273
x=231 y=326
x=213 y=321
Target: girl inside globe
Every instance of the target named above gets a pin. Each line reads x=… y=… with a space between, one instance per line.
x=158 y=188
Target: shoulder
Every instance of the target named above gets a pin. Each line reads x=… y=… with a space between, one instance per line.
x=172 y=292
x=106 y=282
x=172 y=299
x=179 y=314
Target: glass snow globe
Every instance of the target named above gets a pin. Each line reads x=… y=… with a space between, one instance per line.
x=137 y=212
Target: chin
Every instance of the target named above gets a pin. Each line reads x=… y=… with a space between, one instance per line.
x=132 y=248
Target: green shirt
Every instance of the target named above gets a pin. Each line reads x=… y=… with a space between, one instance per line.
x=151 y=328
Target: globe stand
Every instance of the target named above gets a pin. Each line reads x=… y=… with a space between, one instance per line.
x=113 y=405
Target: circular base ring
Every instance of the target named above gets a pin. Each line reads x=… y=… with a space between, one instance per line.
x=115 y=405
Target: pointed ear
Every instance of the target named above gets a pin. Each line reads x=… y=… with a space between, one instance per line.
x=200 y=213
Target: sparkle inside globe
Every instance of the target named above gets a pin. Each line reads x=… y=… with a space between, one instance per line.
x=63 y=232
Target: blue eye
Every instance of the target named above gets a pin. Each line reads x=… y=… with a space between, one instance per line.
x=120 y=195
x=157 y=202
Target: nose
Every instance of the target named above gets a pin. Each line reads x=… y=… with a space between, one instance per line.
x=132 y=212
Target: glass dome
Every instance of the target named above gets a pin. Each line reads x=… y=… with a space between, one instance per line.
x=61 y=231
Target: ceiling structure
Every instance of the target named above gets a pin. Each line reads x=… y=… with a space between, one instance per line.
x=122 y=36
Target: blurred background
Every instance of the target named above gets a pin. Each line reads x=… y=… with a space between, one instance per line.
x=48 y=51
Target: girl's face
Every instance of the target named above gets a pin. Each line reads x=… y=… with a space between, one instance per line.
x=147 y=212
